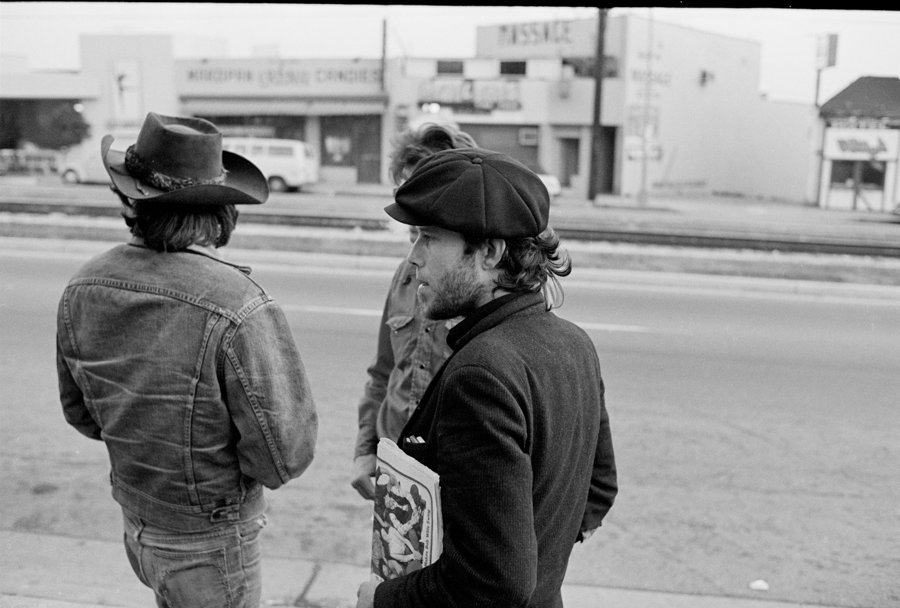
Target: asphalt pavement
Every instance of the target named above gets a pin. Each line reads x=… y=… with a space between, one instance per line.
x=65 y=572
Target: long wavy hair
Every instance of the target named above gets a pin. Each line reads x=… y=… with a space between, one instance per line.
x=411 y=146
x=166 y=227
x=531 y=264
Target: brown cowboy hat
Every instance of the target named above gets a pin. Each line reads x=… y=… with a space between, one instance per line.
x=180 y=160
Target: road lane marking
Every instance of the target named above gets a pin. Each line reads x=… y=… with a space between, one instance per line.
x=841 y=294
x=334 y=310
x=588 y=326
x=366 y=312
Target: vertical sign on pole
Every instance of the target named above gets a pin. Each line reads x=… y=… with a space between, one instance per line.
x=826 y=57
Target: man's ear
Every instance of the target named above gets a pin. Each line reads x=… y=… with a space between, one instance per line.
x=493 y=250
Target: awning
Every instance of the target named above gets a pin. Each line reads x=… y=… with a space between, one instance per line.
x=867 y=97
x=49 y=85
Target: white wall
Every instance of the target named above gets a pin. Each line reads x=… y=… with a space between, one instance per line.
x=781 y=144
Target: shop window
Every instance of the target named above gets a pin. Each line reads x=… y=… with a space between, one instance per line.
x=281 y=151
x=842 y=172
x=450 y=67
x=870 y=172
x=528 y=136
x=512 y=68
x=584 y=66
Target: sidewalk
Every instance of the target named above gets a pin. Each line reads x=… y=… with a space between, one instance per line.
x=42 y=571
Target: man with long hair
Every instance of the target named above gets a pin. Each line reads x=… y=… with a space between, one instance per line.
x=185 y=368
x=515 y=422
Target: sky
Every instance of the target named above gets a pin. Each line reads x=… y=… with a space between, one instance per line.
x=47 y=33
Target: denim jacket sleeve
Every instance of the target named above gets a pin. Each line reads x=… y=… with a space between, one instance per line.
x=268 y=397
x=72 y=399
x=376 y=387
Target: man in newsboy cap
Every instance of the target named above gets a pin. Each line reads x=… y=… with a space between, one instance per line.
x=515 y=423
x=185 y=368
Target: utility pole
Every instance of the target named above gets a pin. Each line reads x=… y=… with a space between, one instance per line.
x=645 y=152
x=596 y=142
x=826 y=57
x=383 y=51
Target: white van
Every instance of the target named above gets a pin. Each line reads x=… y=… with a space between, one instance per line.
x=288 y=164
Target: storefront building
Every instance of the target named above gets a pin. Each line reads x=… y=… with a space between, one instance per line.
x=861 y=147
x=335 y=105
x=681 y=111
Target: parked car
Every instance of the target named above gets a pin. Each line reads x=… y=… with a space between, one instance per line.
x=551 y=182
x=82 y=164
x=288 y=164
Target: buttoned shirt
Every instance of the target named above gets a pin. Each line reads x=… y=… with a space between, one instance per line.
x=410 y=351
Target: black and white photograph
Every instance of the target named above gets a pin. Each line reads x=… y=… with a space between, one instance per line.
x=622 y=283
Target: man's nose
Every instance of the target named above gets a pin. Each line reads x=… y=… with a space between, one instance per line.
x=414 y=256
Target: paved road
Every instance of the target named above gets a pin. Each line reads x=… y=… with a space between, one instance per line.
x=755 y=427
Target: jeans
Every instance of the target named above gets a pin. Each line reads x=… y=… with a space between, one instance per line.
x=219 y=568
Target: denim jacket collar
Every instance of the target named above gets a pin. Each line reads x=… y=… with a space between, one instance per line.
x=210 y=252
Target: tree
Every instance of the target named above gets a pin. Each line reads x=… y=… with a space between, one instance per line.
x=52 y=124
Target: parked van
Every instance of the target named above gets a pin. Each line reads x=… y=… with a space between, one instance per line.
x=288 y=164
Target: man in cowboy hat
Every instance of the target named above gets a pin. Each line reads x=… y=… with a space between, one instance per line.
x=185 y=368
x=514 y=423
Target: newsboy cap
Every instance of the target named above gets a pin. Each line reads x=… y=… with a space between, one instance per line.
x=476 y=192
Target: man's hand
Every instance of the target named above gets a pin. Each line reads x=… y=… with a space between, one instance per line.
x=366 y=595
x=583 y=535
x=363 y=472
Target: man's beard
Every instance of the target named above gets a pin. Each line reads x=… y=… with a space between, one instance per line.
x=458 y=293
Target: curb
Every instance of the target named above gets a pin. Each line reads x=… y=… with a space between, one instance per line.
x=48 y=571
x=835 y=268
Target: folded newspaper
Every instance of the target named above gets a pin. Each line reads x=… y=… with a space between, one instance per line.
x=407 y=530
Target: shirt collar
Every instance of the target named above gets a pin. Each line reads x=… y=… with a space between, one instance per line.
x=463 y=327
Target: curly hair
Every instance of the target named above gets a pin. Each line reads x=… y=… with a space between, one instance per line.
x=411 y=146
x=165 y=227
x=531 y=264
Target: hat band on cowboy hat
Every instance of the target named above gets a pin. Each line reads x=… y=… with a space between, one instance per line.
x=142 y=170
x=180 y=160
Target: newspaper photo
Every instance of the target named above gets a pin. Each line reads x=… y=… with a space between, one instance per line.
x=407 y=529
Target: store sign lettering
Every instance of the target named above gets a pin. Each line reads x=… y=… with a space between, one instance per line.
x=220 y=75
x=858 y=145
x=264 y=78
x=533 y=34
x=663 y=78
x=472 y=95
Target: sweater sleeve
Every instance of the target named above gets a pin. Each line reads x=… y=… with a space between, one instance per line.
x=604 y=485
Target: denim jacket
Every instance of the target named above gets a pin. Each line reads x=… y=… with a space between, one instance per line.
x=410 y=351
x=187 y=370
